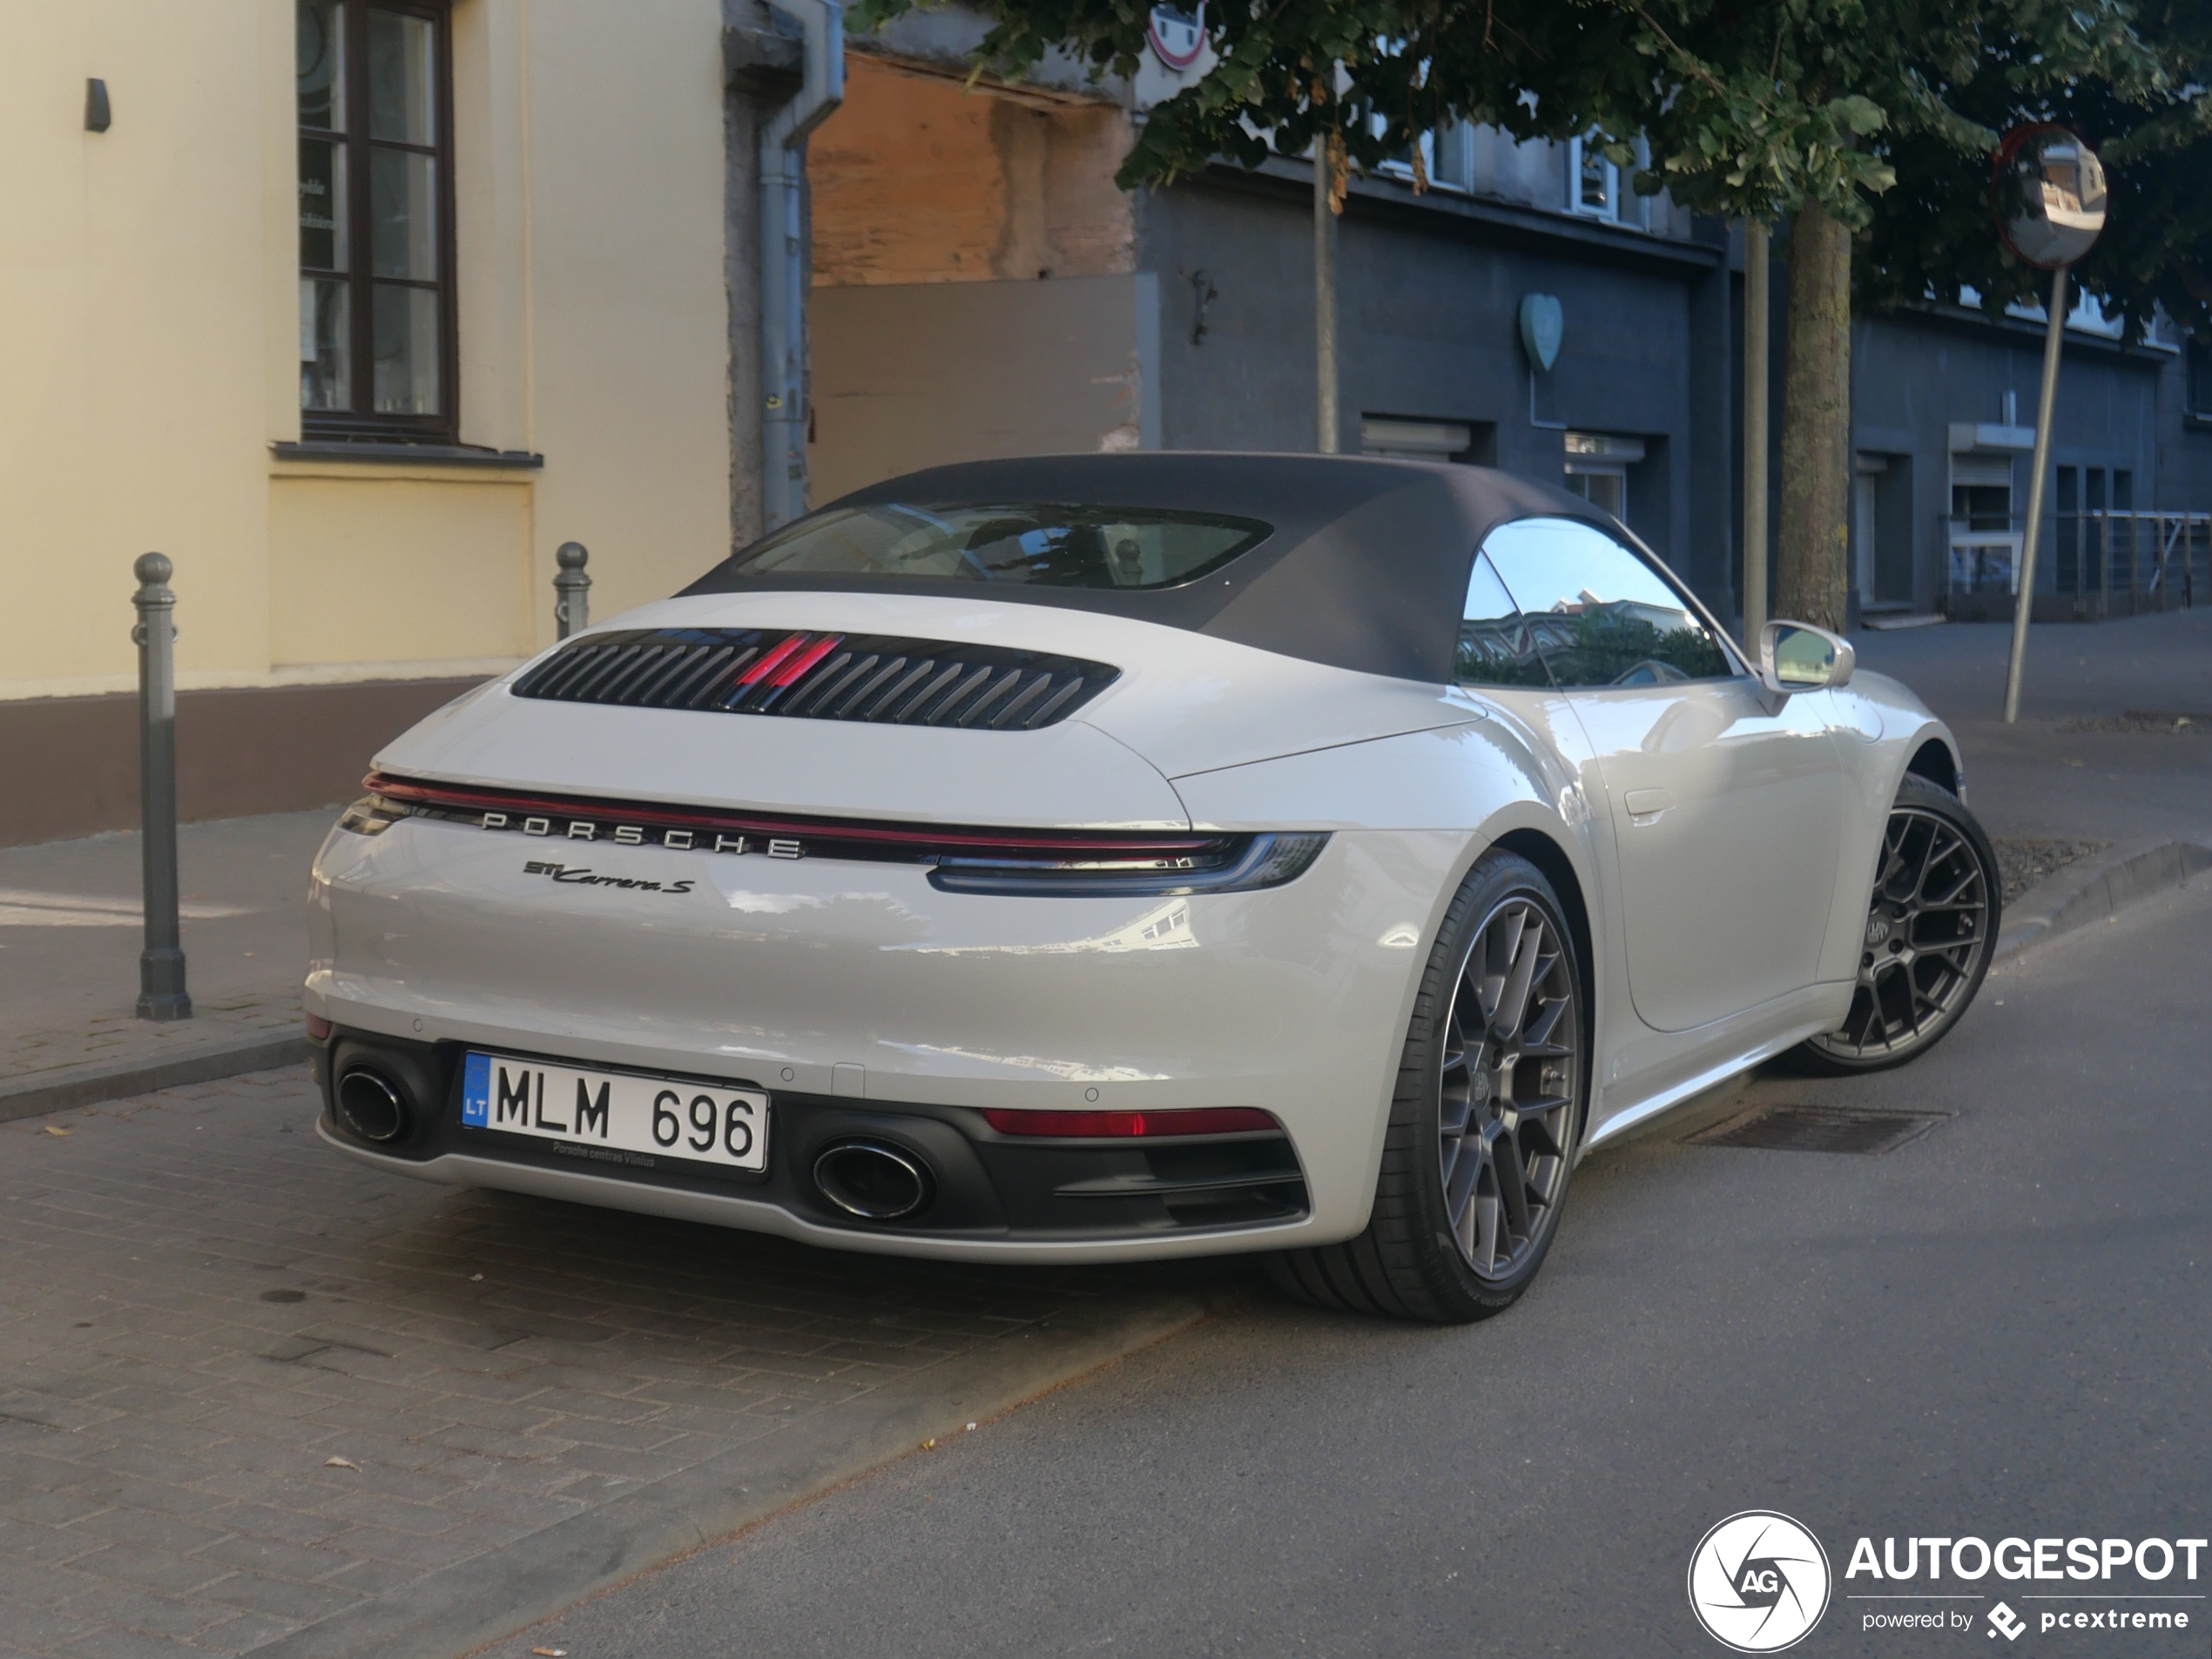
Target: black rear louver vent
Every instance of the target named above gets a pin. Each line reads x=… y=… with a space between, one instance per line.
x=819 y=677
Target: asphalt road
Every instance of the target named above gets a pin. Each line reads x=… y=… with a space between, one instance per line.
x=1999 y=1329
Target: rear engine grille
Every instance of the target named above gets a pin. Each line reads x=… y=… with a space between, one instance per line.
x=876 y=677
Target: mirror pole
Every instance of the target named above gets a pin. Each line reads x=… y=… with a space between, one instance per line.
x=1756 y=319
x=2046 y=407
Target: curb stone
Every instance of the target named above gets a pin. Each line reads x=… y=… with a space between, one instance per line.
x=504 y=1591
x=2099 y=888
x=86 y=1085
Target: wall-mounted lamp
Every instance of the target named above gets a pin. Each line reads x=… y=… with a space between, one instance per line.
x=97 y=115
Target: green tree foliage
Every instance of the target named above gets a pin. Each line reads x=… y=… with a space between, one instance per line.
x=1751 y=106
x=2141 y=102
x=1764 y=107
x=1536 y=68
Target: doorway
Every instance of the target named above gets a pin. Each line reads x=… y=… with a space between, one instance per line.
x=1865 y=527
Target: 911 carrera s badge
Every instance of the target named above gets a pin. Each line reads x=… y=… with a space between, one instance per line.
x=586 y=878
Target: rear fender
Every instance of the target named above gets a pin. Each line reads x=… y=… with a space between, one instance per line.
x=1444 y=797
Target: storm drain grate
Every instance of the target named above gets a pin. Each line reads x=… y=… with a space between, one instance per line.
x=1819 y=1129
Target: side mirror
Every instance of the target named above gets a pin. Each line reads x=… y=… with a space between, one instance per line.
x=1798 y=656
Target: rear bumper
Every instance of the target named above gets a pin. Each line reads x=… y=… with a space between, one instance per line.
x=858 y=994
x=988 y=1194
x=754 y=1214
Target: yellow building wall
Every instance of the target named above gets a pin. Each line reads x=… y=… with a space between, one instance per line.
x=356 y=564
x=149 y=362
x=134 y=359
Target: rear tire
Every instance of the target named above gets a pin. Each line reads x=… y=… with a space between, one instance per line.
x=1931 y=928
x=1486 y=1120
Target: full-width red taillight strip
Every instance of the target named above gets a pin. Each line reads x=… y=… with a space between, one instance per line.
x=1199 y=1120
x=915 y=839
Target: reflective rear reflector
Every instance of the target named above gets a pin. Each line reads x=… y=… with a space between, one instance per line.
x=1203 y=1120
x=317 y=1028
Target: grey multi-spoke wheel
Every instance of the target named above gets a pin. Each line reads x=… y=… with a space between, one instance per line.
x=1487 y=1115
x=1506 y=1089
x=1931 y=924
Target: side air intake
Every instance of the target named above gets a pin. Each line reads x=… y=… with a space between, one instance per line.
x=875 y=678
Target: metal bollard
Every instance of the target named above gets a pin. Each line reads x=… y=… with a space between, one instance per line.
x=161 y=964
x=571 y=591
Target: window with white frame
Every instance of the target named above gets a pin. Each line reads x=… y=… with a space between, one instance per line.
x=1447 y=156
x=2198 y=357
x=1451 y=156
x=1593 y=181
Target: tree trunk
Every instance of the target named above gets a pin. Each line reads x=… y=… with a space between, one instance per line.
x=1814 y=565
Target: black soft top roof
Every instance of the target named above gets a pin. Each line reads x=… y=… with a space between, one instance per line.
x=1366 y=569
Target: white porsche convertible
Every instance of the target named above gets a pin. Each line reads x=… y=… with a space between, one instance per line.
x=1090 y=858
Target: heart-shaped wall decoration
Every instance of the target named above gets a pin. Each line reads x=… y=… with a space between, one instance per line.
x=1543 y=325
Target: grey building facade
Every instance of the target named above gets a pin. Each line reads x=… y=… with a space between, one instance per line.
x=1636 y=405
x=981 y=288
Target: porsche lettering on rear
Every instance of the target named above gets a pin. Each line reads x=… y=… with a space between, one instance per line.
x=591 y=829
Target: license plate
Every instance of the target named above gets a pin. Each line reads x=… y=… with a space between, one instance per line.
x=615 y=1112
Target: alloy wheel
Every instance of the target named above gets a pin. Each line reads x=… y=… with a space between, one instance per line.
x=1927 y=930
x=1506 y=1087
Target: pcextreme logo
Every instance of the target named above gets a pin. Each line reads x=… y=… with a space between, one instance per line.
x=1759 y=1581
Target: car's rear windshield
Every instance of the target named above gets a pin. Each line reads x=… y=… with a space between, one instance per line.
x=1043 y=544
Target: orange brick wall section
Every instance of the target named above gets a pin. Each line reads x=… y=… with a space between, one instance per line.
x=917 y=179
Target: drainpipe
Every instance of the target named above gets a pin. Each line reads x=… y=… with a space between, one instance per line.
x=782 y=254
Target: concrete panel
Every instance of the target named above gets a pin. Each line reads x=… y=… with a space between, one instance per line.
x=923 y=373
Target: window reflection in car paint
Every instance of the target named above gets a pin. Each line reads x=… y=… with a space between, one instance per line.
x=1165 y=927
x=1594 y=612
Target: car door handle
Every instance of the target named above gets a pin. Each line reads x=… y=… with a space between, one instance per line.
x=1645 y=805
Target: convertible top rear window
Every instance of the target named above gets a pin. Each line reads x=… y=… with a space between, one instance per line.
x=1342 y=560
x=1039 y=544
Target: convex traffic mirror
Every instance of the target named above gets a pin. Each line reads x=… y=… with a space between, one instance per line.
x=2050 y=191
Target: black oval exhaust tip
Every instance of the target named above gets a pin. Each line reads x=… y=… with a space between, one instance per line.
x=371 y=1105
x=873 y=1181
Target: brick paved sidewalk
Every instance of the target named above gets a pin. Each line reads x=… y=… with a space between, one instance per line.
x=247 y=1385
x=117 y=1038
x=70 y=931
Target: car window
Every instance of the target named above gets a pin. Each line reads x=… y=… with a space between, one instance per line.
x=1494 y=647
x=1041 y=544
x=1596 y=612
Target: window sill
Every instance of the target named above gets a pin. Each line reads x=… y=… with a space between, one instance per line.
x=2197 y=420
x=408 y=455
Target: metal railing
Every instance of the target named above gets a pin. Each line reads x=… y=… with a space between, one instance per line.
x=2105 y=562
